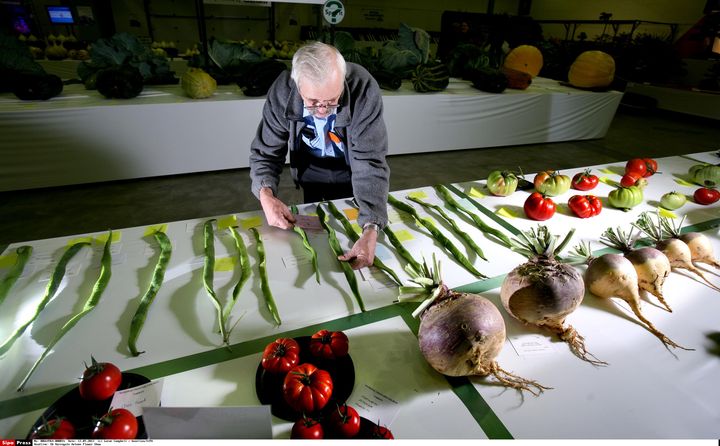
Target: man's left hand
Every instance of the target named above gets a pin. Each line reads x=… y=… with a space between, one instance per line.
x=362 y=253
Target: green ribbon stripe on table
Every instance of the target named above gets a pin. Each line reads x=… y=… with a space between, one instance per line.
x=462 y=387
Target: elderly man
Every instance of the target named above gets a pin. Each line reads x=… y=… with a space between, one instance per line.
x=329 y=115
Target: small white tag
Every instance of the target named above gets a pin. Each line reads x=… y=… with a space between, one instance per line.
x=134 y=399
x=291 y=262
x=377 y=278
x=375 y=404
x=531 y=344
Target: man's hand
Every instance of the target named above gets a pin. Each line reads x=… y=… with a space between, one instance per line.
x=362 y=253
x=276 y=212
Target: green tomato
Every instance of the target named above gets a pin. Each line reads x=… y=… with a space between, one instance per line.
x=552 y=183
x=502 y=183
x=705 y=174
x=625 y=198
x=673 y=200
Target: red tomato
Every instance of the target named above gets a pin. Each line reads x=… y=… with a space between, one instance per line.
x=345 y=421
x=55 y=429
x=630 y=179
x=637 y=166
x=652 y=167
x=584 y=180
x=307 y=429
x=585 y=206
x=307 y=388
x=381 y=433
x=118 y=424
x=329 y=344
x=281 y=355
x=539 y=207
x=100 y=381
x=706 y=195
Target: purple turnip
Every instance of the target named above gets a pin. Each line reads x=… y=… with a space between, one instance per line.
x=460 y=334
x=543 y=291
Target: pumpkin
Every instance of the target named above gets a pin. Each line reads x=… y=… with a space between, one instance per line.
x=123 y=82
x=490 y=80
x=592 y=69
x=197 y=84
x=518 y=80
x=429 y=77
x=705 y=174
x=525 y=58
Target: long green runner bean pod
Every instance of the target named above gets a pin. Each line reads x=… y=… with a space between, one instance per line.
x=337 y=249
x=439 y=236
x=23 y=255
x=306 y=243
x=156 y=282
x=464 y=235
x=90 y=304
x=404 y=253
x=209 y=275
x=50 y=290
x=352 y=235
x=445 y=195
x=264 y=282
x=245 y=271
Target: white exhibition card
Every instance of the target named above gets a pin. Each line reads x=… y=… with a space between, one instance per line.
x=211 y=423
x=137 y=398
x=375 y=404
x=531 y=344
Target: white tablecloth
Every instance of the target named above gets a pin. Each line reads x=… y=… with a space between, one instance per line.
x=646 y=391
x=80 y=137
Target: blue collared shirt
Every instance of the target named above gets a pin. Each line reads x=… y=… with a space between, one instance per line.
x=322 y=146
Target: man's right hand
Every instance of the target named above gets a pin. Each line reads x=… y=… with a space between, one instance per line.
x=276 y=212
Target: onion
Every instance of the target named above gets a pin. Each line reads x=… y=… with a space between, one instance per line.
x=460 y=334
x=613 y=275
x=651 y=265
x=543 y=291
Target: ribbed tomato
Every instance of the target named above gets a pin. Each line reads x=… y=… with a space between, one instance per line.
x=307 y=388
x=585 y=206
x=345 y=421
x=329 y=344
x=539 y=207
x=585 y=180
x=281 y=355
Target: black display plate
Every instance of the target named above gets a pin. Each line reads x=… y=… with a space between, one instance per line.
x=80 y=412
x=268 y=386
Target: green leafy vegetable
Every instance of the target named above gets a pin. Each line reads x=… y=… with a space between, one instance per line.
x=437 y=235
x=50 y=291
x=264 y=282
x=353 y=236
x=462 y=234
x=158 y=276
x=90 y=304
x=337 y=249
x=23 y=254
x=306 y=243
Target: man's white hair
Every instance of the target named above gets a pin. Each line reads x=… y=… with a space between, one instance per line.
x=315 y=62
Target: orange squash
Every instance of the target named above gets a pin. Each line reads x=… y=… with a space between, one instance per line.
x=592 y=69
x=525 y=58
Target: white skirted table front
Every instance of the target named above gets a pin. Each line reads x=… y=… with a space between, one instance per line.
x=81 y=137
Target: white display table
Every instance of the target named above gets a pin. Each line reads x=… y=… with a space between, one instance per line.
x=80 y=137
x=646 y=391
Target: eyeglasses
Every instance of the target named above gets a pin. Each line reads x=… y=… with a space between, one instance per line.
x=315 y=108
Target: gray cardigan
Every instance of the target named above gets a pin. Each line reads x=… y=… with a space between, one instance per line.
x=359 y=122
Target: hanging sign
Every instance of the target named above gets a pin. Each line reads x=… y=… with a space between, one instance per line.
x=333 y=11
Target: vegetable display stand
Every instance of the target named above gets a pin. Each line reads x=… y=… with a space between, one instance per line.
x=184 y=349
